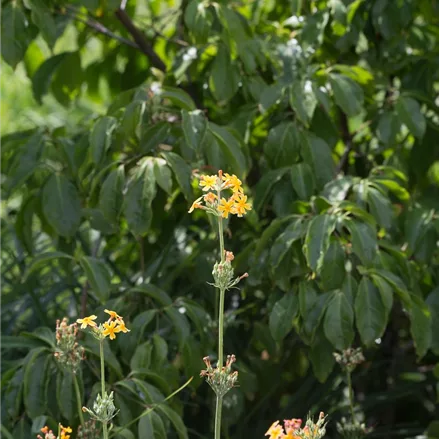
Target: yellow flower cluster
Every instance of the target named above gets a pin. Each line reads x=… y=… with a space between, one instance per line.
x=48 y=434
x=237 y=204
x=276 y=431
x=110 y=328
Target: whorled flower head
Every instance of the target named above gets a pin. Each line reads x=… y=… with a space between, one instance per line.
x=110 y=328
x=90 y=430
x=217 y=205
x=68 y=353
x=350 y=358
x=220 y=379
x=292 y=429
x=48 y=434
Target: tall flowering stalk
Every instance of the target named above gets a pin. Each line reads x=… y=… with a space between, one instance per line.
x=214 y=202
x=103 y=408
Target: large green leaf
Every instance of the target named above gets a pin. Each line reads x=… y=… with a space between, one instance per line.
x=194 y=128
x=339 y=321
x=364 y=241
x=409 y=111
x=182 y=172
x=98 y=275
x=111 y=194
x=348 y=94
x=100 y=138
x=317 y=240
x=420 y=328
x=175 y=419
x=61 y=205
x=224 y=76
x=302 y=180
x=43 y=18
x=370 y=312
x=433 y=304
x=283 y=145
x=333 y=271
x=322 y=358
x=282 y=316
x=303 y=100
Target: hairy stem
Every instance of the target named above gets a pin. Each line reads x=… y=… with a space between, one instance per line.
x=78 y=398
x=351 y=396
x=101 y=352
x=219 y=408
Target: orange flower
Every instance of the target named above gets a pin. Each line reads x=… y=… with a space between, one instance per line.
x=121 y=327
x=208 y=182
x=196 y=205
x=275 y=431
x=241 y=205
x=110 y=329
x=87 y=321
x=226 y=207
x=233 y=182
x=113 y=314
x=210 y=198
x=45 y=429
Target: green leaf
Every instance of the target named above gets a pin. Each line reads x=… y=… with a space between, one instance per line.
x=163 y=175
x=43 y=259
x=224 y=76
x=317 y=240
x=100 y=138
x=333 y=271
x=388 y=127
x=43 y=18
x=416 y=226
x=265 y=186
x=178 y=97
x=138 y=198
x=317 y=155
x=13 y=392
x=151 y=426
x=322 y=358
x=65 y=395
x=142 y=356
x=231 y=148
x=386 y=293
x=98 y=275
x=282 y=146
x=175 y=419
x=364 y=240
x=433 y=304
x=282 y=316
x=409 y=111
x=396 y=283
x=182 y=173
x=15 y=36
x=302 y=180
x=370 y=312
x=303 y=100
x=380 y=207
x=194 y=128
x=61 y=205
x=339 y=321
x=420 y=328
x=153 y=136
x=42 y=78
x=35 y=382
x=132 y=119
x=347 y=93
x=111 y=194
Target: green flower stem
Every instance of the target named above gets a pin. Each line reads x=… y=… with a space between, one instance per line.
x=219 y=408
x=78 y=398
x=351 y=396
x=101 y=353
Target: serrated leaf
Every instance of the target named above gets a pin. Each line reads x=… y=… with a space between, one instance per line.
x=61 y=205
x=111 y=194
x=370 y=312
x=339 y=321
x=347 y=93
x=317 y=240
x=282 y=316
x=409 y=111
x=364 y=240
x=100 y=138
x=98 y=275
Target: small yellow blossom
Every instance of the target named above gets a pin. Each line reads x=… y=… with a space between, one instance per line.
x=65 y=430
x=110 y=329
x=233 y=182
x=121 y=327
x=87 y=321
x=275 y=431
x=196 y=205
x=241 y=205
x=208 y=182
x=113 y=314
x=210 y=198
x=226 y=207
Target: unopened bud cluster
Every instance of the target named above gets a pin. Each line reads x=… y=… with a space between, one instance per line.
x=89 y=430
x=223 y=273
x=68 y=353
x=103 y=408
x=313 y=430
x=350 y=358
x=220 y=379
x=352 y=430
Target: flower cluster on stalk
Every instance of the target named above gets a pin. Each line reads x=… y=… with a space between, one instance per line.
x=110 y=328
x=292 y=429
x=68 y=353
x=350 y=358
x=220 y=379
x=48 y=434
x=214 y=203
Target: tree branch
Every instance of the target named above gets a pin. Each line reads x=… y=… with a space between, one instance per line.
x=139 y=38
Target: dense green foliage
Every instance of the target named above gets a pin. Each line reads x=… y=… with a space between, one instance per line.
x=326 y=109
